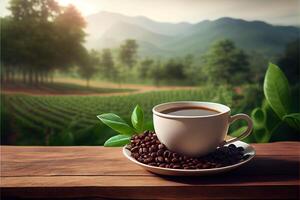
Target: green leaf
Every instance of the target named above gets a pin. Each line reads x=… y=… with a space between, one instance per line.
x=277 y=91
x=272 y=119
x=137 y=118
x=116 y=123
x=293 y=120
x=259 y=117
x=117 y=141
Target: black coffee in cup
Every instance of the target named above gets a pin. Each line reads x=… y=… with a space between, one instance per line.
x=190 y=111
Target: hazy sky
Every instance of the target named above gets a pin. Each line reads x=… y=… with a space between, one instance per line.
x=284 y=12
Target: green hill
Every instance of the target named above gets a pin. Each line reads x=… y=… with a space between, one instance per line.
x=169 y=39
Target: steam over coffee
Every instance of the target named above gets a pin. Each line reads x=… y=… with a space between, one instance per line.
x=190 y=111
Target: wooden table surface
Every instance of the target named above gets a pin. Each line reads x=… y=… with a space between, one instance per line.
x=101 y=173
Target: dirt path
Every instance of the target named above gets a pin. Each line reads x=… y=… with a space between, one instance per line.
x=137 y=89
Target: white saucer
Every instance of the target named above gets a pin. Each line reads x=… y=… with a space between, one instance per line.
x=249 y=150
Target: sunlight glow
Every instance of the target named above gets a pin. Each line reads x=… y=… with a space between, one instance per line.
x=85 y=7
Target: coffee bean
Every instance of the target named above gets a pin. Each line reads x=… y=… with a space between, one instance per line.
x=140 y=150
x=162 y=165
x=245 y=157
x=160 y=159
x=241 y=149
x=135 y=155
x=147 y=149
x=147 y=160
x=152 y=164
x=160 y=152
x=199 y=166
x=167 y=154
x=176 y=166
x=174 y=155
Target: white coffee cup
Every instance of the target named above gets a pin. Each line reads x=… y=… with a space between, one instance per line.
x=195 y=135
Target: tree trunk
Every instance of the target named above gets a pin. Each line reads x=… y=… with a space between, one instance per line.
x=36 y=78
x=42 y=77
x=52 y=78
x=7 y=75
x=24 y=76
x=87 y=83
x=30 y=77
x=2 y=75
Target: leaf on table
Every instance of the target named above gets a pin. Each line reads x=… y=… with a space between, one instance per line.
x=116 y=123
x=117 y=141
x=277 y=91
x=137 y=118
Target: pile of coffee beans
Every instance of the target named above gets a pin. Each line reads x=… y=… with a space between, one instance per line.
x=147 y=149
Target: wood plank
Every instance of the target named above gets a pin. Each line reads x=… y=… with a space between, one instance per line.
x=101 y=187
x=49 y=161
x=98 y=172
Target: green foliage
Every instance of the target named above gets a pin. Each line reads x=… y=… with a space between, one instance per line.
x=107 y=64
x=33 y=116
x=116 y=123
x=64 y=138
x=137 y=118
x=128 y=53
x=276 y=112
x=293 y=120
x=89 y=62
x=40 y=37
x=144 y=67
x=224 y=63
x=289 y=62
x=117 y=141
x=277 y=91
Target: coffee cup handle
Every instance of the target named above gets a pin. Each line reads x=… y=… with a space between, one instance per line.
x=246 y=132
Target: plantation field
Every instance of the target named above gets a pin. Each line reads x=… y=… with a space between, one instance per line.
x=71 y=120
x=62 y=88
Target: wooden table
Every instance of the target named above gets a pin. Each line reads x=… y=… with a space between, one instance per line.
x=100 y=173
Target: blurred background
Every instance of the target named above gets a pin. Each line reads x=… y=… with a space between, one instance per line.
x=63 y=62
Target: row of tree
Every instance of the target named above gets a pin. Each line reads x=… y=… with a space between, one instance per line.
x=39 y=37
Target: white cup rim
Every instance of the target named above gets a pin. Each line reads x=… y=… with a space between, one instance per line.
x=222 y=109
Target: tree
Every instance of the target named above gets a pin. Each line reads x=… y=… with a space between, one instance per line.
x=174 y=70
x=128 y=53
x=258 y=65
x=108 y=65
x=39 y=37
x=225 y=64
x=70 y=37
x=144 y=67
x=289 y=62
x=156 y=73
x=89 y=64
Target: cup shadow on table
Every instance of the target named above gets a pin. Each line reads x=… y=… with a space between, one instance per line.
x=260 y=169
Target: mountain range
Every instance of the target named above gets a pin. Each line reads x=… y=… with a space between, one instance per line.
x=109 y=30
